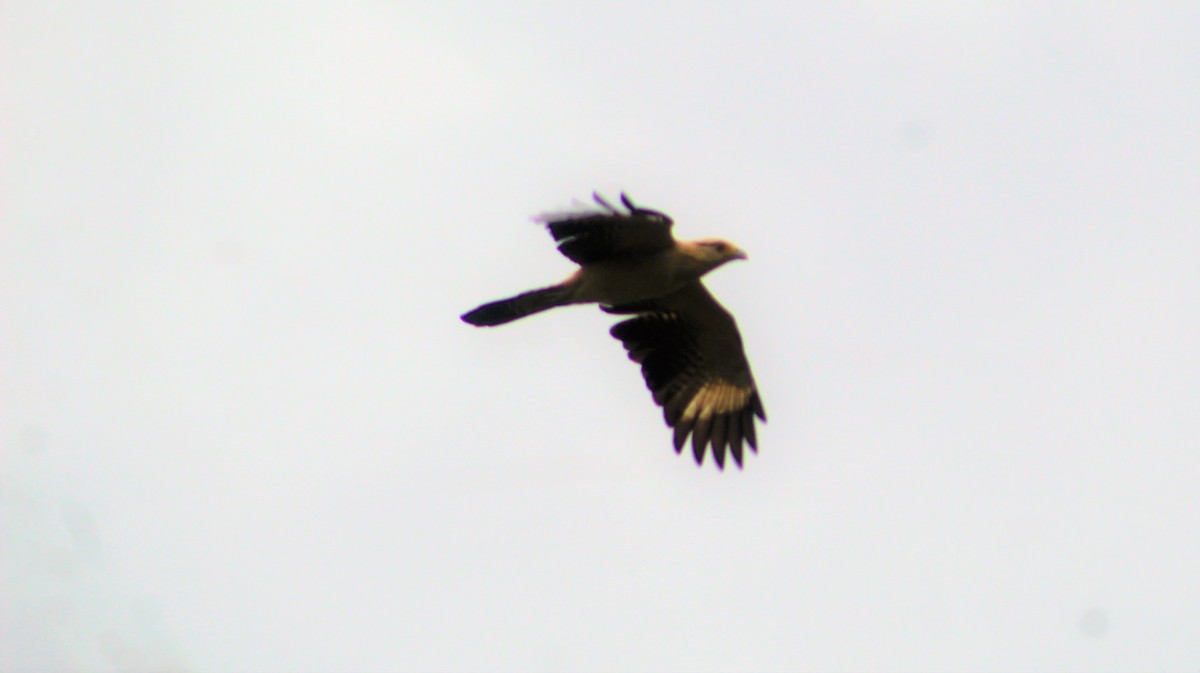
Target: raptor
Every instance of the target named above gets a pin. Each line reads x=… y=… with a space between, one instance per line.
x=687 y=344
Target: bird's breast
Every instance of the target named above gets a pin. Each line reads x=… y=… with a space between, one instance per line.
x=624 y=281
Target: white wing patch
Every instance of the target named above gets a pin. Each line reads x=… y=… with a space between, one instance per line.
x=717 y=397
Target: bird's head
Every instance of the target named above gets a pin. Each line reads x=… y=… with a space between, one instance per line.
x=713 y=252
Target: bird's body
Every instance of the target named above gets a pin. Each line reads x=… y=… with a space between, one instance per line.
x=622 y=281
x=688 y=345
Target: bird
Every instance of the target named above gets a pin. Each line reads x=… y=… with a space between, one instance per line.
x=687 y=344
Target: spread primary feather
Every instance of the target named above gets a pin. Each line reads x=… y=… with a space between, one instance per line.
x=688 y=345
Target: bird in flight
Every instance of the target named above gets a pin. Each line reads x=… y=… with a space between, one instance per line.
x=687 y=344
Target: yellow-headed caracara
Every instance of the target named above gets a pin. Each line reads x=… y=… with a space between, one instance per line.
x=687 y=344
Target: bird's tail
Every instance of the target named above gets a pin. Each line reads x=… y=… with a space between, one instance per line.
x=527 y=303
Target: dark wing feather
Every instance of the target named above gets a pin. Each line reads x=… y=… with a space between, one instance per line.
x=597 y=235
x=694 y=365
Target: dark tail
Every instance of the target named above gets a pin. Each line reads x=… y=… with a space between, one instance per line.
x=508 y=310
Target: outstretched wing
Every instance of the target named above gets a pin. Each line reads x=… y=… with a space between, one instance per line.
x=693 y=362
x=598 y=235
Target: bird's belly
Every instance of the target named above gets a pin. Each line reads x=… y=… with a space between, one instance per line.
x=622 y=283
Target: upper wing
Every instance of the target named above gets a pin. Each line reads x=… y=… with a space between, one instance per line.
x=597 y=235
x=693 y=362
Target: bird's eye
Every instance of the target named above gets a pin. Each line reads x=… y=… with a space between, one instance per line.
x=721 y=247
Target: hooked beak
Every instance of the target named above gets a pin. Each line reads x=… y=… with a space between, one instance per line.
x=740 y=254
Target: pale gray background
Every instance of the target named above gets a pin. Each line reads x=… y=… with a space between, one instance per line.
x=244 y=429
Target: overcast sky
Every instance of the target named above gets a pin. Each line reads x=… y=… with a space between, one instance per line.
x=244 y=430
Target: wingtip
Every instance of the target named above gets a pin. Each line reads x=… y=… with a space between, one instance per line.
x=680 y=438
x=699 y=440
x=603 y=202
x=758 y=408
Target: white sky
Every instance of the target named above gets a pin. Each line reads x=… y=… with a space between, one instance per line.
x=244 y=430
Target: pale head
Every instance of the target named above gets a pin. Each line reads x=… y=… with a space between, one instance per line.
x=712 y=252
x=722 y=249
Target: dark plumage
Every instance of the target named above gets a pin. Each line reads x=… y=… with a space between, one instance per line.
x=687 y=344
x=689 y=348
